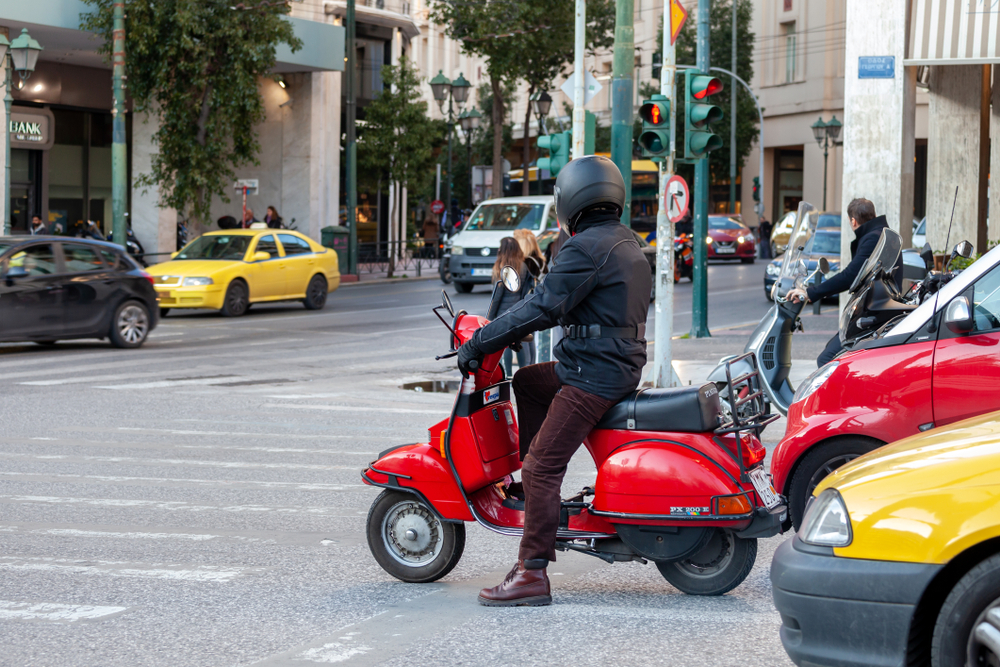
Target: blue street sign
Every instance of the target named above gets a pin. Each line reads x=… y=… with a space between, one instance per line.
x=877 y=67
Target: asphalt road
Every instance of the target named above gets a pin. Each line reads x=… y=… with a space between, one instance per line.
x=198 y=502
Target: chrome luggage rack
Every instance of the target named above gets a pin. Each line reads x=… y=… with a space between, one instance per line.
x=758 y=417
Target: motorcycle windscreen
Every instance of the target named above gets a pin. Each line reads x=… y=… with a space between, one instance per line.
x=885 y=256
x=855 y=308
x=793 y=267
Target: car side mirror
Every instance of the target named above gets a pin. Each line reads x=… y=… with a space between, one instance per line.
x=511 y=279
x=958 y=315
x=824 y=265
x=173 y=255
x=261 y=256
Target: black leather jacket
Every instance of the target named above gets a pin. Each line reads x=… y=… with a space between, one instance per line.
x=600 y=276
x=862 y=247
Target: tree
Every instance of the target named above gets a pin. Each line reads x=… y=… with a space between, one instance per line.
x=195 y=65
x=396 y=140
x=747 y=130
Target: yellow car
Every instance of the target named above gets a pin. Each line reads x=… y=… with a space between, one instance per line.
x=897 y=561
x=229 y=270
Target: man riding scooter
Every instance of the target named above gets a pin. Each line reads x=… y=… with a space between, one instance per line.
x=867 y=230
x=598 y=289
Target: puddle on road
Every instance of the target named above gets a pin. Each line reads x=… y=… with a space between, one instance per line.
x=433 y=386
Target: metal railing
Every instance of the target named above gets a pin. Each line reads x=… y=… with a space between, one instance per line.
x=393 y=257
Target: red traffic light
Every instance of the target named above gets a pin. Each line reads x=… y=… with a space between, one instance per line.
x=654 y=112
x=705 y=86
x=654 y=115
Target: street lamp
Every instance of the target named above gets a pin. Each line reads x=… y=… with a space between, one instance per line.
x=541 y=103
x=21 y=55
x=469 y=120
x=457 y=91
x=826 y=133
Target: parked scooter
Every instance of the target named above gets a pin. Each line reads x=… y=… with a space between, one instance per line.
x=135 y=249
x=683 y=257
x=676 y=483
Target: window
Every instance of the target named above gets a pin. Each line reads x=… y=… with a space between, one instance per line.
x=294 y=245
x=37 y=260
x=986 y=302
x=790 y=49
x=113 y=259
x=267 y=244
x=501 y=217
x=81 y=258
x=216 y=246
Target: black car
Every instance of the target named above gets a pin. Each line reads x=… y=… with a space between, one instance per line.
x=55 y=288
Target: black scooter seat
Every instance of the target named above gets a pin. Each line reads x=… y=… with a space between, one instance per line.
x=681 y=410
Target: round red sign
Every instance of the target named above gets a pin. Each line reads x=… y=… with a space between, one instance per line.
x=437 y=207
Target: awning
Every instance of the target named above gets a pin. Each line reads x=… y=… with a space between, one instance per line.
x=953 y=32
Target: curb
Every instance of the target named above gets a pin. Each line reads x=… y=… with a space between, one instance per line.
x=386 y=281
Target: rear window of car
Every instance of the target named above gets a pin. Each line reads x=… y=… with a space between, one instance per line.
x=504 y=217
x=828 y=220
x=824 y=243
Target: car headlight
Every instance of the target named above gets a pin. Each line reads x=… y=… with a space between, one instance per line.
x=772 y=269
x=457 y=250
x=188 y=282
x=708 y=240
x=814 y=381
x=740 y=239
x=827 y=523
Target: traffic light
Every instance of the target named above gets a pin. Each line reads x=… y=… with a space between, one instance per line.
x=756 y=188
x=558 y=146
x=655 y=137
x=698 y=138
x=657 y=64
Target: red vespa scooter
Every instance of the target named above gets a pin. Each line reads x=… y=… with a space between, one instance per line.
x=675 y=484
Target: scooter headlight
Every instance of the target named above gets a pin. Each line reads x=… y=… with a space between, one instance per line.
x=814 y=381
x=827 y=523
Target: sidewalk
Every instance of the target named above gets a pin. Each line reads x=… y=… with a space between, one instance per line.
x=365 y=277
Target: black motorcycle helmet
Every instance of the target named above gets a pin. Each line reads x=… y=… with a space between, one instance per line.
x=586 y=183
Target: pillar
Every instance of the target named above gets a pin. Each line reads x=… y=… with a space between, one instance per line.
x=953 y=154
x=154 y=226
x=995 y=158
x=879 y=120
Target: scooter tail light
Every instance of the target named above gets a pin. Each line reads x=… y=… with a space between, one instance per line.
x=444 y=455
x=753 y=452
x=735 y=505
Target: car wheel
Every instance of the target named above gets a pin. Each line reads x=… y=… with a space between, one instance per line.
x=463 y=288
x=819 y=462
x=748 y=260
x=969 y=620
x=130 y=325
x=237 y=300
x=445 y=273
x=164 y=311
x=316 y=293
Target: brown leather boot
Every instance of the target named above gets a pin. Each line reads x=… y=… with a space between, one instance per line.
x=521 y=588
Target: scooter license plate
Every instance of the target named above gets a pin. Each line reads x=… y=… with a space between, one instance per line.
x=762 y=482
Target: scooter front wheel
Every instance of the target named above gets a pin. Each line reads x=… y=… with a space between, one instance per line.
x=409 y=541
x=719 y=567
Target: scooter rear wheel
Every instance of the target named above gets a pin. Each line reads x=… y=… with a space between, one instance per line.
x=721 y=565
x=409 y=541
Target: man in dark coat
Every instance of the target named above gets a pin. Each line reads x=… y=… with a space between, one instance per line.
x=867 y=231
x=598 y=289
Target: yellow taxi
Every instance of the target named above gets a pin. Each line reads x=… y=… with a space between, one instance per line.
x=231 y=269
x=897 y=561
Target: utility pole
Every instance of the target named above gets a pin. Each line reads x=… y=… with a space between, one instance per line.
x=351 y=156
x=621 y=98
x=732 y=123
x=663 y=316
x=699 y=305
x=119 y=154
x=8 y=74
x=579 y=114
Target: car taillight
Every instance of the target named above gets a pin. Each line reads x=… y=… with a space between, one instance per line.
x=152 y=281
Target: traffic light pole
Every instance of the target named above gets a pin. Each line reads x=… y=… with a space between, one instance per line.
x=621 y=96
x=663 y=316
x=119 y=153
x=351 y=157
x=579 y=114
x=699 y=306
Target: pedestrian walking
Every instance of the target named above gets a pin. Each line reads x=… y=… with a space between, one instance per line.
x=764 y=237
x=272 y=218
x=510 y=254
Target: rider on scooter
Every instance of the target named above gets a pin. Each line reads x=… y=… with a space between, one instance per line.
x=598 y=289
x=867 y=230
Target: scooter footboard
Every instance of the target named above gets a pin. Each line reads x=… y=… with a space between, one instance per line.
x=426 y=475
x=666 y=479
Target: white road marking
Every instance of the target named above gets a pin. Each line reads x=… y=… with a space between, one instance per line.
x=174 y=462
x=352 y=408
x=78 y=380
x=331 y=653
x=116 y=479
x=164 y=384
x=201 y=573
x=286 y=436
x=70 y=532
x=172 y=506
x=52 y=611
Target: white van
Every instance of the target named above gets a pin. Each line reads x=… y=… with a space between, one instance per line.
x=474 y=248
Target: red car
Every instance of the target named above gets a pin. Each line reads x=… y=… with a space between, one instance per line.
x=938 y=365
x=729 y=238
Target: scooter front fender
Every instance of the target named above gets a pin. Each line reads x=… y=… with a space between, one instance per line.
x=421 y=470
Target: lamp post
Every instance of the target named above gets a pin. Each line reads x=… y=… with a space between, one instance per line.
x=825 y=134
x=469 y=120
x=20 y=56
x=457 y=91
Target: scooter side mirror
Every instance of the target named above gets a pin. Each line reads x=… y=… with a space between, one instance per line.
x=958 y=316
x=824 y=265
x=446 y=302
x=511 y=279
x=964 y=249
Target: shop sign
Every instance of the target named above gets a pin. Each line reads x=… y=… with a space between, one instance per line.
x=32 y=129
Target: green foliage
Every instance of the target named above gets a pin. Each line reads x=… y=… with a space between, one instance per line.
x=747 y=130
x=195 y=65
